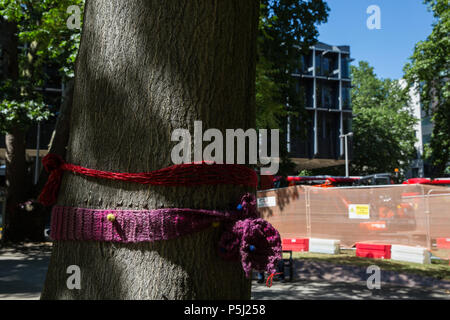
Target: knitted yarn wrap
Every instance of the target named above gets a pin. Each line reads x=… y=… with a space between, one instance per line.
x=245 y=236
x=186 y=174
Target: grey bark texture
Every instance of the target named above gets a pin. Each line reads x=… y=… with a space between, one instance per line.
x=16 y=224
x=16 y=167
x=144 y=69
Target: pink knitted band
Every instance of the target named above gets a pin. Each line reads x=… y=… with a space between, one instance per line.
x=131 y=225
x=245 y=237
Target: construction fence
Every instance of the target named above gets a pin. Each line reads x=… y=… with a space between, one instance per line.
x=416 y=215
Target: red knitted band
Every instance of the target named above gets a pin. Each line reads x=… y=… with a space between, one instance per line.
x=190 y=174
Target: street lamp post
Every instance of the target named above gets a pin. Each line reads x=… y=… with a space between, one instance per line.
x=345 y=136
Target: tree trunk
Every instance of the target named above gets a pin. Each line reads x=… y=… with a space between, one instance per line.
x=16 y=222
x=144 y=69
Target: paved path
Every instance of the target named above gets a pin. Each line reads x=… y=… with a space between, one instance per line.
x=23 y=270
x=326 y=290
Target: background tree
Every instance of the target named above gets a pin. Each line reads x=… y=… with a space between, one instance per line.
x=429 y=72
x=384 y=135
x=39 y=29
x=287 y=28
x=144 y=69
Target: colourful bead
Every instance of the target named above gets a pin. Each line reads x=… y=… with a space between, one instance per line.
x=111 y=217
x=239 y=207
x=252 y=248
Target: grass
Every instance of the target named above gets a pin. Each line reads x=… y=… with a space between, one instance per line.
x=438 y=269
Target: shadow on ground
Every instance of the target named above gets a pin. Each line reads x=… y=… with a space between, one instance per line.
x=22 y=270
x=325 y=290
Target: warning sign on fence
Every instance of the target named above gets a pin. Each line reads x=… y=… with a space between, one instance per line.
x=359 y=211
x=267 y=202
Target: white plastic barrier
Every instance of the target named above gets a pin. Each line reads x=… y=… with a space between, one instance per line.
x=324 y=246
x=410 y=254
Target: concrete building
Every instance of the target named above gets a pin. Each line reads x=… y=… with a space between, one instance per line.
x=424 y=130
x=417 y=165
x=325 y=84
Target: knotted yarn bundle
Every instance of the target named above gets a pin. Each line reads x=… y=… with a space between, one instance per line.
x=255 y=242
x=246 y=237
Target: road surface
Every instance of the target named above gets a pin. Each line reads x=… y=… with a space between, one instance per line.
x=23 y=270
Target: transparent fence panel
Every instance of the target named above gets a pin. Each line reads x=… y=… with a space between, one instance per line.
x=438 y=202
x=369 y=214
x=288 y=215
x=399 y=214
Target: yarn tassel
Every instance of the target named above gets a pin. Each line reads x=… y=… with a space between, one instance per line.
x=53 y=164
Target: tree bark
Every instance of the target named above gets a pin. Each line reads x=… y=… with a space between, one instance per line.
x=18 y=224
x=144 y=69
x=17 y=185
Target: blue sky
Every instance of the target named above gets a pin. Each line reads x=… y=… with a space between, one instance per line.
x=403 y=23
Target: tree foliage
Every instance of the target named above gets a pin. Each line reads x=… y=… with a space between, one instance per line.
x=268 y=96
x=15 y=114
x=45 y=40
x=384 y=135
x=44 y=24
x=429 y=72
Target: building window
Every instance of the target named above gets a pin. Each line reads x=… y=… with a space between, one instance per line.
x=345 y=66
x=319 y=64
x=305 y=92
x=301 y=68
x=319 y=95
x=331 y=95
x=306 y=64
x=326 y=68
x=346 y=98
x=326 y=97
